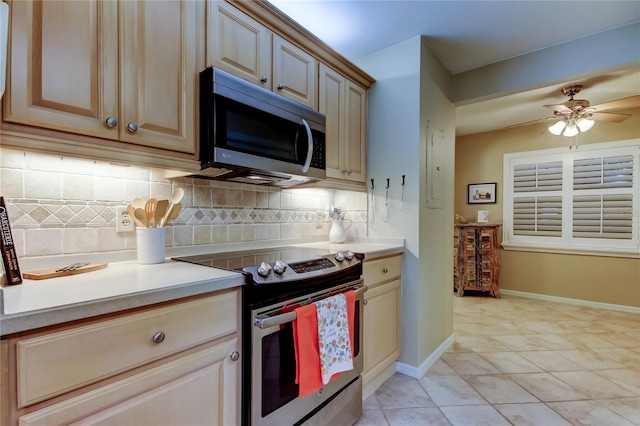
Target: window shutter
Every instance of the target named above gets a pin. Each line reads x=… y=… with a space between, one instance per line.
x=603 y=216
x=540 y=216
x=603 y=172
x=586 y=200
x=537 y=177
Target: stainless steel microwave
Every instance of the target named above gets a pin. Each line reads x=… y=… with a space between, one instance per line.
x=251 y=135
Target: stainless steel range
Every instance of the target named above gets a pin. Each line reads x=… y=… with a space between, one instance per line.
x=275 y=279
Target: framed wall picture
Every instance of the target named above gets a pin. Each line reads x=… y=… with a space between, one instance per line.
x=481 y=193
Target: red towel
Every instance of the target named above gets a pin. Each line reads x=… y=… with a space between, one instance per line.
x=305 y=342
x=351 y=312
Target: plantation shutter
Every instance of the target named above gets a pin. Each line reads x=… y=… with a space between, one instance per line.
x=537 y=177
x=603 y=172
x=603 y=216
x=584 y=200
x=608 y=214
x=540 y=216
x=535 y=214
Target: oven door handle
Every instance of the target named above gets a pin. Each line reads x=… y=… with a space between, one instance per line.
x=266 y=322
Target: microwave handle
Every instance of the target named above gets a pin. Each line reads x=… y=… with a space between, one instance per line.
x=307 y=161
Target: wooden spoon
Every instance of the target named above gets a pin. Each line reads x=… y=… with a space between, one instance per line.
x=131 y=211
x=161 y=209
x=150 y=210
x=176 y=198
x=141 y=216
x=138 y=203
x=175 y=211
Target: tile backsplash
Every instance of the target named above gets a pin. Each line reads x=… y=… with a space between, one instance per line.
x=64 y=205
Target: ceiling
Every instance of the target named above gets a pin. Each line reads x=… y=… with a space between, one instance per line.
x=465 y=35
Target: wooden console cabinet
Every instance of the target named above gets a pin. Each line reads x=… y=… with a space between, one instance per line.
x=476 y=251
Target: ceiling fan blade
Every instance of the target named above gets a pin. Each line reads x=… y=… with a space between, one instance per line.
x=609 y=117
x=630 y=102
x=559 y=107
x=531 y=122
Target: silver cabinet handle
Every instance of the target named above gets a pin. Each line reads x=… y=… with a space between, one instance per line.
x=158 y=337
x=235 y=355
x=264 y=79
x=385 y=270
x=111 y=122
x=365 y=301
x=280 y=86
x=132 y=127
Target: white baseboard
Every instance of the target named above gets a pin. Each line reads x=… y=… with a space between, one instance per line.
x=599 y=305
x=421 y=370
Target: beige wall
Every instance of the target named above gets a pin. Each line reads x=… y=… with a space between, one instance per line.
x=592 y=278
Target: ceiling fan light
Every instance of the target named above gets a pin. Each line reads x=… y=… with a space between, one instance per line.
x=557 y=128
x=584 y=124
x=570 y=131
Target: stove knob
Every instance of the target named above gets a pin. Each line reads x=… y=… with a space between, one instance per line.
x=264 y=270
x=340 y=256
x=279 y=267
x=348 y=255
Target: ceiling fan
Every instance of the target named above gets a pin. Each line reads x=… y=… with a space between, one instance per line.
x=578 y=115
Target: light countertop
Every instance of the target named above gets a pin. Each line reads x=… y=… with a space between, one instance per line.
x=126 y=285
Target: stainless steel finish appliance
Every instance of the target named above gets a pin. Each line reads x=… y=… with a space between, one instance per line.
x=251 y=135
x=276 y=279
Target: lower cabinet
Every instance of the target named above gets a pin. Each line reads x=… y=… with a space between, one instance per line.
x=382 y=326
x=177 y=363
x=185 y=391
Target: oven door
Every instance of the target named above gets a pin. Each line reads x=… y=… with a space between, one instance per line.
x=274 y=393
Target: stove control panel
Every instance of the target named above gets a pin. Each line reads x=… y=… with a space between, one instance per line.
x=301 y=269
x=312 y=265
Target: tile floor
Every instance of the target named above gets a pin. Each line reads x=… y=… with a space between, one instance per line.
x=520 y=361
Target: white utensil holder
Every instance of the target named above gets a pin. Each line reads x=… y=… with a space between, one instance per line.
x=150 y=245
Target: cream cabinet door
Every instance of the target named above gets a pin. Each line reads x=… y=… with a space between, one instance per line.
x=355 y=128
x=158 y=74
x=238 y=44
x=63 y=67
x=344 y=105
x=202 y=388
x=331 y=90
x=381 y=328
x=295 y=73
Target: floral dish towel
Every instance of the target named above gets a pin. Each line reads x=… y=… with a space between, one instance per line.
x=333 y=336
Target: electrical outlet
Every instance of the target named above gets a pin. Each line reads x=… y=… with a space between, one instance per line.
x=124 y=221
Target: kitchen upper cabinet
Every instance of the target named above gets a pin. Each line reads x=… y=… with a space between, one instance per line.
x=64 y=66
x=166 y=364
x=158 y=74
x=295 y=73
x=244 y=47
x=344 y=105
x=124 y=71
x=381 y=320
x=238 y=44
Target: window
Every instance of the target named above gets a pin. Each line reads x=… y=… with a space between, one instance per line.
x=584 y=200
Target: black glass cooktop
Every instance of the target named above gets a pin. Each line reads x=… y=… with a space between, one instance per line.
x=236 y=260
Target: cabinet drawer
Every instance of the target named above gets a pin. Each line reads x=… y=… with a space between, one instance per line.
x=380 y=270
x=59 y=362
